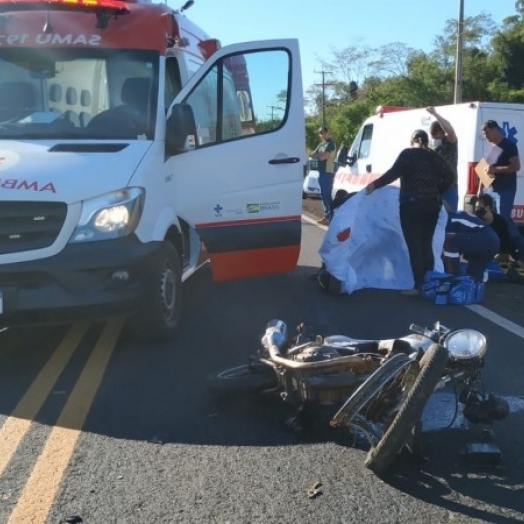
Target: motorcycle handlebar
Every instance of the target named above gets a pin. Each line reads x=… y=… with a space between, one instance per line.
x=434 y=334
x=415 y=328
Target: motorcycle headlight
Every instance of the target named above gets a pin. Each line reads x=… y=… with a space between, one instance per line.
x=466 y=344
x=109 y=216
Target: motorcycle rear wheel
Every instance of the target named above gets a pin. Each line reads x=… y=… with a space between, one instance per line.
x=242 y=379
x=380 y=456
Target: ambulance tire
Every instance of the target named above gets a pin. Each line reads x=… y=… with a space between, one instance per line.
x=160 y=316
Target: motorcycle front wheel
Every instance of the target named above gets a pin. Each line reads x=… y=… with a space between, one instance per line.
x=398 y=432
x=242 y=379
x=414 y=381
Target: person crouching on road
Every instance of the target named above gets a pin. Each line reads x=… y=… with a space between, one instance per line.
x=469 y=236
x=512 y=245
x=424 y=176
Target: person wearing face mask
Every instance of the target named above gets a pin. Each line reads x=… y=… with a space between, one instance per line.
x=444 y=142
x=512 y=245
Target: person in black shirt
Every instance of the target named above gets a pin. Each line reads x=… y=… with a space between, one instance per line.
x=424 y=177
x=503 y=171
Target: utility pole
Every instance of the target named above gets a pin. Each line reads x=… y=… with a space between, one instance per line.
x=458 y=60
x=273 y=110
x=324 y=85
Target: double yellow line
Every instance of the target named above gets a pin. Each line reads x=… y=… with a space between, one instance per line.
x=41 y=488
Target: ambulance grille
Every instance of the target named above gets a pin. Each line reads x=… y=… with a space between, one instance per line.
x=25 y=226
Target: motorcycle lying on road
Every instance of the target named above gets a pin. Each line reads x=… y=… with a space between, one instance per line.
x=377 y=389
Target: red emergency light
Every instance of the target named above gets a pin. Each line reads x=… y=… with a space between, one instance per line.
x=110 y=7
x=208 y=47
x=390 y=109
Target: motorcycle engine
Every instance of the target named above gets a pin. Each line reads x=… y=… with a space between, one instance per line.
x=317 y=354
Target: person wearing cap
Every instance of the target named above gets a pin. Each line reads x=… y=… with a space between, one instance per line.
x=503 y=171
x=424 y=176
x=444 y=141
x=325 y=153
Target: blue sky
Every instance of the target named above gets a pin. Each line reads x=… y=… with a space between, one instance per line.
x=324 y=25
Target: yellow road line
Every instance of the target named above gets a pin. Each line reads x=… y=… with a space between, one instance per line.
x=41 y=488
x=18 y=423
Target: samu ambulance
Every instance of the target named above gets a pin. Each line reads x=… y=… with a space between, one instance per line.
x=384 y=135
x=132 y=150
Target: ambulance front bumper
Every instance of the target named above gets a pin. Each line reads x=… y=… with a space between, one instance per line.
x=91 y=280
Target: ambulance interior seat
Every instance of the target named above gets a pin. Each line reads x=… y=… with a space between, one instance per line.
x=84 y=118
x=85 y=102
x=130 y=118
x=17 y=100
x=73 y=117
x=71 y=99
x=135 y=95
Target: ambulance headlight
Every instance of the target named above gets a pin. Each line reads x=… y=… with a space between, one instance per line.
x=109 y=216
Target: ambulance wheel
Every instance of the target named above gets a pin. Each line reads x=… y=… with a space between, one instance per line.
x=159 y=318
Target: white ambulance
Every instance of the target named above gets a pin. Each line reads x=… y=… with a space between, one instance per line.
x=383 y=136
x=132 y=150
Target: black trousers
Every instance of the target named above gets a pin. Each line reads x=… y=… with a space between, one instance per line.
x=418 y=219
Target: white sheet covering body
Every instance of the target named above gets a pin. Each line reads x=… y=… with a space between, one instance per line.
x=364 y=246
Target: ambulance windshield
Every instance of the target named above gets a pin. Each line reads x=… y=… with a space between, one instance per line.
x=78 y=93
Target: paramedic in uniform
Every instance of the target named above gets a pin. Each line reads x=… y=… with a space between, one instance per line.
x=444 y=141
x=469 y=236
x=325 y=153
x=503 y=171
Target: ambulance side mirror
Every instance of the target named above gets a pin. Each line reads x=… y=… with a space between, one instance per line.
x=352 y=159
x=180 y=130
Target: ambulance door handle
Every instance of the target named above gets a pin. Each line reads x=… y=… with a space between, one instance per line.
x=287 y=160
x=368 y=168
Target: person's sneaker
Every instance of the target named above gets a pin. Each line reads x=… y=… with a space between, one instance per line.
x=323 y=221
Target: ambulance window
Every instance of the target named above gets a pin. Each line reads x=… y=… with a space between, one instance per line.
x=235 y=98
x=365 y=144
x=173 y=81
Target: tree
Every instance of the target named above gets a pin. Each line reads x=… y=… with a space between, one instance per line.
x=508 y=48
x=395 y=74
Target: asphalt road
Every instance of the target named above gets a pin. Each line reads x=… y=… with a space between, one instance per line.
x=99 y=426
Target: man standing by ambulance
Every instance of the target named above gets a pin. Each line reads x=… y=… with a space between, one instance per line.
x=325 y=153
x=444 y=142
x=503 y=171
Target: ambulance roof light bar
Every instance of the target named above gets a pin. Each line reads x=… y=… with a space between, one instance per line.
x=106 y=7
x=390 y=109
